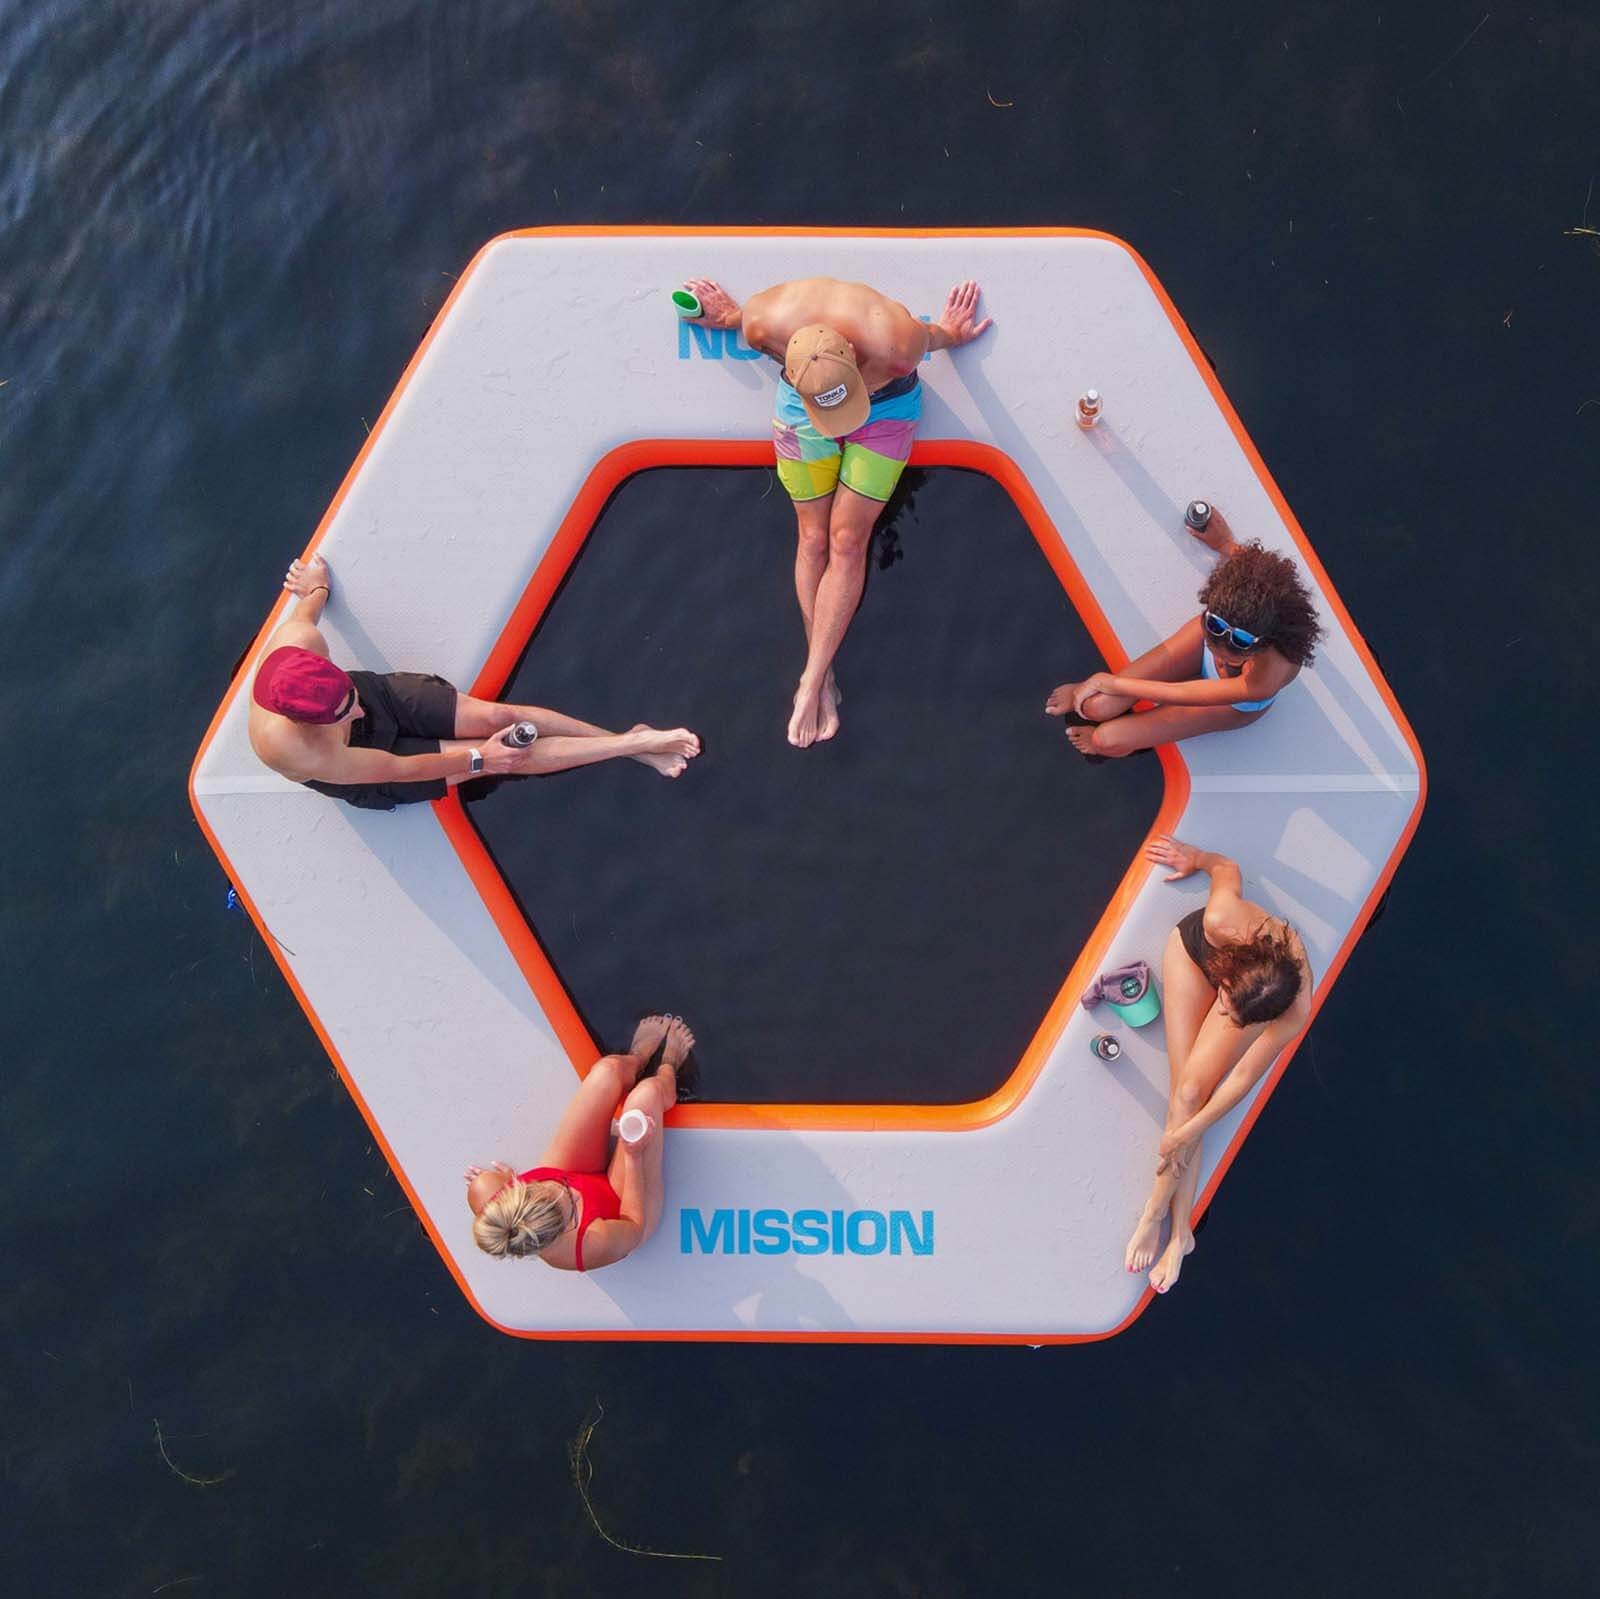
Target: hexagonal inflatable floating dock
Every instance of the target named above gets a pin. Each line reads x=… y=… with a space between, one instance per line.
x=554 y=375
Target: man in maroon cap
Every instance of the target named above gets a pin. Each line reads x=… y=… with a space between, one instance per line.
x=381 y=739
x=846 y=411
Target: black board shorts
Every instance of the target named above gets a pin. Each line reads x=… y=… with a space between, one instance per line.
x=405 y=713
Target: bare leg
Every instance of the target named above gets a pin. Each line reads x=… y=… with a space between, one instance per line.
x=1186 y=1001
x=837 y=596
x=1165 y=1271
x=1190 y=1092
x=1176 y=1186
x=810 y=562
x=582 y=1140
x=1165 y=724
x=1173 y=660
x=665 y=752
x=655 y=1096
x=811 y=554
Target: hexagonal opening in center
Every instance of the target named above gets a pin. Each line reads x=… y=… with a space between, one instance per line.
x=885 y=918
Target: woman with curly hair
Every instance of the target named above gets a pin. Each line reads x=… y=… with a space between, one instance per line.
x=1237 y=988
x=1222 y=669
x=585 y=1205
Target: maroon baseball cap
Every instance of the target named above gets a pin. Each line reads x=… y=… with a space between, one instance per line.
x=303 y=686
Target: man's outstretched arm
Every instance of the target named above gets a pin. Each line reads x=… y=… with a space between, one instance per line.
x=719 y=309
x=308 y=582
x=323 y=762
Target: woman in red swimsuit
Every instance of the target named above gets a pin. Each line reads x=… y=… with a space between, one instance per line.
x=584 y=1206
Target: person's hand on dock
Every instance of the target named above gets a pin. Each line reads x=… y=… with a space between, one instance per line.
x=959 y=323
x=1182 y=859
x=305 y=577
x=718 y=308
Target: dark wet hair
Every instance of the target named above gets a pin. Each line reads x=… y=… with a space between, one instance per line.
x=1261 y=592
x=1262 y=977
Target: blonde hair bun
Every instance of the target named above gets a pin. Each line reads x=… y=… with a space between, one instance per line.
x=523 y=1219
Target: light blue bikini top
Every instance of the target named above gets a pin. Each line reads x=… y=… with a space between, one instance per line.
x=1208 y=668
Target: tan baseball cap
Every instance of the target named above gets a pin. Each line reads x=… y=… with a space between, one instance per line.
x=822 y=367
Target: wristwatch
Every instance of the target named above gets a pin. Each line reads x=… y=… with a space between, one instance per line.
x=474 y=761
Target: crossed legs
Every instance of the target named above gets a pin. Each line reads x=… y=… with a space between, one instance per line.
x=565 y=742
x=1120 y=730
x=582 y=1140
x=655 y=1096
x=1187 y=1001
x=830 y=570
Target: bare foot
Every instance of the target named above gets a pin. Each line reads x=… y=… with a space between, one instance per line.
x=670 y=752
x=1216 y=533
x=828 y=713
x=667 y=765
x=647 y=1035
x=1142 y=1246
x=1082 y=740
x=1165 y=1272
x=803 y=724
x=680 y=1040
x=1060 y=701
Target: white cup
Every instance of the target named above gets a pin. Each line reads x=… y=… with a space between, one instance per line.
x=634 y=1126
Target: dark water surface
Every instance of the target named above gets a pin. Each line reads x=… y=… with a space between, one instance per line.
x=885 y=918
x=226 y=228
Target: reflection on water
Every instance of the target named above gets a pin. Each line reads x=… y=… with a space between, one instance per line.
x=227 y=228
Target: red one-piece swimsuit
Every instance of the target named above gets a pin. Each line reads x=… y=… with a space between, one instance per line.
x=600 y=1201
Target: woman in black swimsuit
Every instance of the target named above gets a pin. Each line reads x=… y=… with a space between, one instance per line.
x=1237 y=988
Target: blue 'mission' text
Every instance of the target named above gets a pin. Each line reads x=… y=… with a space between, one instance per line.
x=805 y=1232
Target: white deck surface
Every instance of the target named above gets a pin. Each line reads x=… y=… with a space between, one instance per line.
x=556 y=350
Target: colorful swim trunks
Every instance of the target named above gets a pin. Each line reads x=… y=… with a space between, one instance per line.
x=870 y=460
